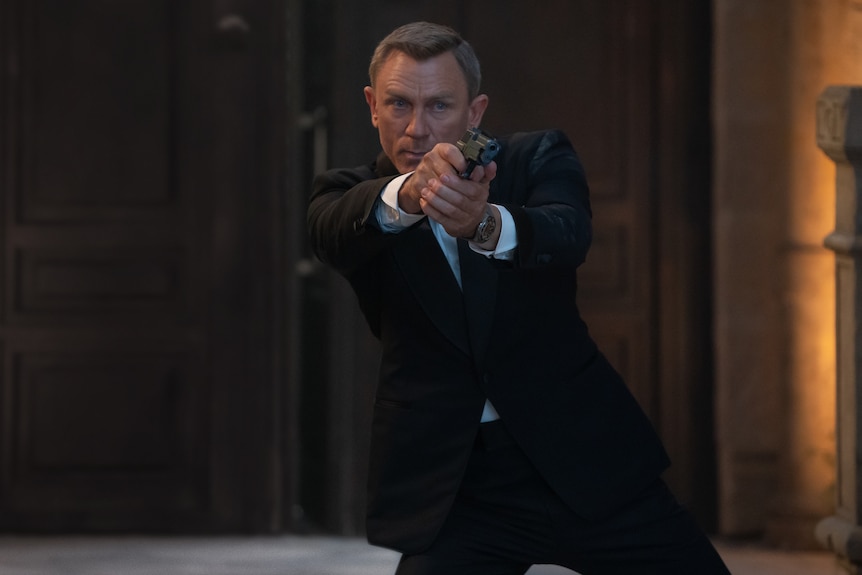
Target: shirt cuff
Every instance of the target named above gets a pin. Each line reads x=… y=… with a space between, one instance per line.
x=389 y=215
x=507 y=241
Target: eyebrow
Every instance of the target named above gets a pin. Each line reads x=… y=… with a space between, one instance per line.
x=447 y=95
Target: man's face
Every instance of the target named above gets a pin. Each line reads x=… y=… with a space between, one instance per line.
x=415 y=105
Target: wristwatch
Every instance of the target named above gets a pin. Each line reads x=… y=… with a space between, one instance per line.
x=485 y=228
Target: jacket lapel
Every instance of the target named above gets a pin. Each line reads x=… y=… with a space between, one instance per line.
x=479 y=284
x=430 y=278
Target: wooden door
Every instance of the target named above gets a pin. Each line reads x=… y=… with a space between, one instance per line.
x=139 y=327
x=587 y=71
x=626 y=79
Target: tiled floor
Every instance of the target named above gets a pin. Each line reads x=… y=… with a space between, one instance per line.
x=289 y=555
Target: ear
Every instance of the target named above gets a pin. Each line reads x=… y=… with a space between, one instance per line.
x=477 y=109
x=371 y=99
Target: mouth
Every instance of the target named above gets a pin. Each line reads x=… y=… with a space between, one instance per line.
x=412 y=156
x=409 y=160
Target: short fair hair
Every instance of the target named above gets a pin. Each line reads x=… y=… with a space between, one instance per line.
x=424 y=40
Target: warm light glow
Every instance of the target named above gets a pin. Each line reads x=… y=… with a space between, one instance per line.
x=827 y=45
x=774 y=203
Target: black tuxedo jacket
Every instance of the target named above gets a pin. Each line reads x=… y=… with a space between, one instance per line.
x=514 y=336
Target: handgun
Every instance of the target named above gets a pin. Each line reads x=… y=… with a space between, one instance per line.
x=478 y=147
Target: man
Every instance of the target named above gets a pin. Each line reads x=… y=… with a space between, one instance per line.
x=501 y=437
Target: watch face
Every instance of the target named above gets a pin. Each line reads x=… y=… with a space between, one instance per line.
x=486 y=228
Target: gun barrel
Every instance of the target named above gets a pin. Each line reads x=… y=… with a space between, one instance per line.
x=478 y=147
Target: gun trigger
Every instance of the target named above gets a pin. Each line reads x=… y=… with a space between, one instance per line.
x=470 y=165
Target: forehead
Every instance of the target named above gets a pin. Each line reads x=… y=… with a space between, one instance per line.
x=435 y=76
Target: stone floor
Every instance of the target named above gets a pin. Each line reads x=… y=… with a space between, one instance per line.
x=291 y=555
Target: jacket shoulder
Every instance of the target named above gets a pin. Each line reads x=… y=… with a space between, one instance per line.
x=526 y=141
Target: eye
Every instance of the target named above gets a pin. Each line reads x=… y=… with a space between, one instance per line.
x=441 y=106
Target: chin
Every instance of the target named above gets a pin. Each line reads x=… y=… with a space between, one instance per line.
x=404 y=168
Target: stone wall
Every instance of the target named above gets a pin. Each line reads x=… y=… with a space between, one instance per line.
x=773 y=204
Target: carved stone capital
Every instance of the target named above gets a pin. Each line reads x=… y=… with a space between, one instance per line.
x=839 y=123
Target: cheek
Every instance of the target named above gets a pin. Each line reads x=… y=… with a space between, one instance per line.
x=459 y=121
x=451 y=130
x=387 y=127
x=388 y=134
x=388 y=123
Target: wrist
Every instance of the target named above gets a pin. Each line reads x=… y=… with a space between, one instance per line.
x=487 y=230
x=407 y=200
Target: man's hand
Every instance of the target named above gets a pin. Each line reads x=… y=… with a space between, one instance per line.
x=436 y=189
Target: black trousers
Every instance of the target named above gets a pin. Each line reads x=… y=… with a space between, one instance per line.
x=507 y=519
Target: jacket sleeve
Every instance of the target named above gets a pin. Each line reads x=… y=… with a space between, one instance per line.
x=548 y=198
x=341 y=223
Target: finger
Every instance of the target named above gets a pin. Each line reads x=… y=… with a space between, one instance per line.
x=445 y=201
x=489 y=172
x=454 y=210
x=484 y=174
x=452 y=157
x=460 y=193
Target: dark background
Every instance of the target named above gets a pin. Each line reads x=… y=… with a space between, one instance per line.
x=171 y=357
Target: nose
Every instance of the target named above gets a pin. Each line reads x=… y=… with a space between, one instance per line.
x=418 y=126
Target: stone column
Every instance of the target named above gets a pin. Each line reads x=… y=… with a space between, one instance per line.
x=839 y=135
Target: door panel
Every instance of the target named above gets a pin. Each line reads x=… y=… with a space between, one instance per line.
x=104 y=351
x=102 y=441
x=137 y=331
x=96 y=120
